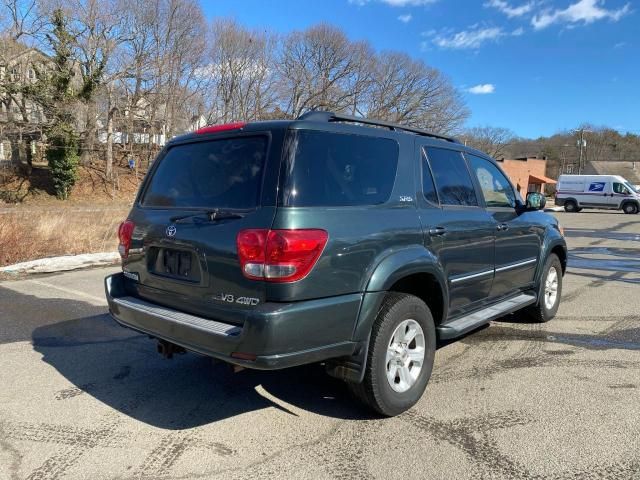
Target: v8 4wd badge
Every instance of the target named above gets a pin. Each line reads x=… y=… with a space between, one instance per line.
x=229 y=298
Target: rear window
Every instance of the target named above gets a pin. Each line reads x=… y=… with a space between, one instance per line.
x=223 y=173
x=331 y=169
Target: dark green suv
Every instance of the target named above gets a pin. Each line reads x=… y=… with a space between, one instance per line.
x=331 y=239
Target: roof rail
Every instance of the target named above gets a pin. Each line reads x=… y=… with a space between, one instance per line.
x=323 y=116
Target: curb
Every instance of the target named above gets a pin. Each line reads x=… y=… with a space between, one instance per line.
x=63 y=263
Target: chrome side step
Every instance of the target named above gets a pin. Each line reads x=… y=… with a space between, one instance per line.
x=469 y=322
x=173 y=316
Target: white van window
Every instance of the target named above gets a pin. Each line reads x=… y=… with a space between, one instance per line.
x=620 y=188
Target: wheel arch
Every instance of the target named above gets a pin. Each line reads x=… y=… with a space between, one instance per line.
x=553 y=243
x=632 y=201
x=414 y=271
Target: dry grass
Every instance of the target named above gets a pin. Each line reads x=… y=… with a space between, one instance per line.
x=91 y=188
x=32 y=233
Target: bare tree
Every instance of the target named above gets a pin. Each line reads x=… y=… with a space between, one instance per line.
x=21 y=19
x=408 y=91
x=491 y=140
x=242 y=70
x=179 y=41
x=316 y=68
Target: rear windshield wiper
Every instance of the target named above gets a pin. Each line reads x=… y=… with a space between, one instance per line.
x=212 y=215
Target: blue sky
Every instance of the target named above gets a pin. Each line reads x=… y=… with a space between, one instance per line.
x=534 y=66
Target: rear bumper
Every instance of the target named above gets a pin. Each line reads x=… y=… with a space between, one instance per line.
x=559 y=202
x=280 y=335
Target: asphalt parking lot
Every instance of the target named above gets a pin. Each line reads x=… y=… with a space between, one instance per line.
x=81 y=397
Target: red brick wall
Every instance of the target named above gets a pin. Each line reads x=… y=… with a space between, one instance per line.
x=519 y=170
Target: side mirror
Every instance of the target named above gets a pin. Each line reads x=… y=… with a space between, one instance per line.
x=535 y=201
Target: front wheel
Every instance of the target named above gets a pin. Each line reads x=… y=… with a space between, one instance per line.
x=630 y=208
x=400 y=358
x=570 y=206
x=549 y=292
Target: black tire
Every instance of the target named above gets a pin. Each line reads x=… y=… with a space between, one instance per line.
x=375 y=390
x=630 y=208
x=570 y=206
x=540 y=312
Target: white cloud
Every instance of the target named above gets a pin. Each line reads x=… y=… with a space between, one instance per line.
x=408 y=3
x=620 y=45
x=405 y=18
x=508 y=10
x=472 y=38
x=397 y=3
x=583 y=11
x=482 y=89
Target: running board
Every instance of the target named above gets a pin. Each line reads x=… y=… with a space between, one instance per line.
x=476 y=319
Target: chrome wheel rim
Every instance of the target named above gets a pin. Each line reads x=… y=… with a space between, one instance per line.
x=405 y=355
x=551 y=288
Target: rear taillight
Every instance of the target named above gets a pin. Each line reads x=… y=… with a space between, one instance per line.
x=279 y=255
x=125 y=231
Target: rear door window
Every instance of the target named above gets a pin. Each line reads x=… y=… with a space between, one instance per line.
x=452 y=177
x=333 y=169
x=224 y=173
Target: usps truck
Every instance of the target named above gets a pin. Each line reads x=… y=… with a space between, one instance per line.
x=612 y=192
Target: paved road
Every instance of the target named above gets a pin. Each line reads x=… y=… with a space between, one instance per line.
x=83 y=398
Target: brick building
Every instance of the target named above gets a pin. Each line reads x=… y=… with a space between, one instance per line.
x=528 y=174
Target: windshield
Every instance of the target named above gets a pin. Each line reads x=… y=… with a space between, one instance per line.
x=224 y=173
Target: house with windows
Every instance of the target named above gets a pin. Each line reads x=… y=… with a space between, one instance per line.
x=20 y=118
x=18 y=66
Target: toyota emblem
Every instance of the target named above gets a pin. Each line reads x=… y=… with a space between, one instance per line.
x=171 y=231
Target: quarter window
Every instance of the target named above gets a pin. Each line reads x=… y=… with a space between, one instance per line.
x=331 y=169
x=496 y=189
x=452 y=178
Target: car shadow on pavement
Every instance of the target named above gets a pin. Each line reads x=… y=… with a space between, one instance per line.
x=121 y=368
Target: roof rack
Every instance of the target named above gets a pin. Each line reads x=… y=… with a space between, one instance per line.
x=323 y=116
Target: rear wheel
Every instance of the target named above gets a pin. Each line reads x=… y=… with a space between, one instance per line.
x=571 y=206
x=630 y=208
x=400 y=357
x=549 y=292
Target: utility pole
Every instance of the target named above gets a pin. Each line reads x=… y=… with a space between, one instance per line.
x=563 y=158
x=581 y=146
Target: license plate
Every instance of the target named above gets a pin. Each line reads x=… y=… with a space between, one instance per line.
x=176 y=263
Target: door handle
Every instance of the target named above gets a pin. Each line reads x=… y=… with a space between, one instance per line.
x=437 y=231
x=503 y=227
